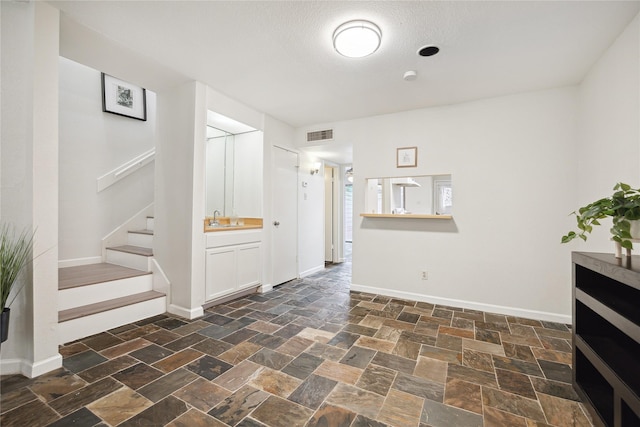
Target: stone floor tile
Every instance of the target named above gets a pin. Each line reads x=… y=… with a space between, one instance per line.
x=522 y=340
x=556 y=371
x=71 y=349
x=555 y=344
x=312 y=391
x=107 y=368
x=377 y=379
x=239 y=375
x=184 y=342
x=375 y=344
x=212 y=347
x=208 y=367
x=419 y=387
x=388 y=333
x=167 y=384
x=240 y=352
x=487 y=335
x=295 y=345
x=554 y=388
x=16 y=398
x=482 y=346
x=437 y=414
x=190 y=328
x=553 y=355
x=271 y=359
x=406 y=348
x=119 y=406
x=562 y=412
x=32 y=414
x=138 y=375
x=431 y=369
x=54 y=384
x=496 y=418
x=330 y=415
x=463 y=395
x=401 y=409
x=195 y=418
x=264 y=327
x=303 y=365
x=477 y=360
x=82 y=361
x=394 y=362
x=472 y=375
x=358 y=357
x=278 y=412
x=275 y=382
x=327 y=352
x=512 y=403
x=101 y=341
x=240 y=404
x=362 y=421
x=357 y=400
x=316 y=335
x=73 y=401
x=139 y=332
x=81 y=417
x=515 y=382
x=151 y=354
x=339 y=372
x=162 y=337
x=124 y=348
x=517 y=351
x=177 y=360
x=441 y=354
x=528 y=368
x=159 y=414
x=202 y=394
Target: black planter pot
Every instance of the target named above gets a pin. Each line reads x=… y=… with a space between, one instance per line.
x=4 y=324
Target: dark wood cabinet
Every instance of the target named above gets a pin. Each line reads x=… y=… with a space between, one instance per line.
x=606 y=337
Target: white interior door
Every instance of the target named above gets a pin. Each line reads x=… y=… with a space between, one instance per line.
x=285 y=216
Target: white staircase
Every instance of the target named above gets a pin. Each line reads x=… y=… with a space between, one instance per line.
x=96 y=297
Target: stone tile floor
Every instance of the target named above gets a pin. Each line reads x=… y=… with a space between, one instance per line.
x=309 y=353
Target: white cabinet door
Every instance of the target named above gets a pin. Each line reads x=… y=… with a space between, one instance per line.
x=249 y=266
x=220 y=272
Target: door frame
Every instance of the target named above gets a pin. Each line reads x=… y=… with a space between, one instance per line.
x=337 y=211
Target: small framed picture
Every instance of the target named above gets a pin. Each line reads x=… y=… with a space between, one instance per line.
x=407 y=157
x=123 y=99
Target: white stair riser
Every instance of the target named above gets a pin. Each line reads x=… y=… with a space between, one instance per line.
x=125 y=259
x=90 y=294
x=72 y=330
x=150 y=223
x=137 y=239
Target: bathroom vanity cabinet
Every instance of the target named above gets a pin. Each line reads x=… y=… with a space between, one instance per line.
x=233 y=262
x=606 y=337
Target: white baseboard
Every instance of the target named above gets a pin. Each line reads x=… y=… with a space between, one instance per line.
x=265 y=288
x=187 y=313
x=490 y=308
x=312 y=271
x=79 y=261
x=28 y=369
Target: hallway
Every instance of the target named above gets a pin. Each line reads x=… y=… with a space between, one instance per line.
x=309 y=353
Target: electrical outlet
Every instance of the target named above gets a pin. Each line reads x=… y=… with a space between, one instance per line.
x=424 y=275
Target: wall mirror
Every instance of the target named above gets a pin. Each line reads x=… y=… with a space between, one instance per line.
x=423 y=195
x=233 y=167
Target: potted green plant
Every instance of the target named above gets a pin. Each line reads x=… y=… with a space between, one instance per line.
x=15 y=253
x=623 y=206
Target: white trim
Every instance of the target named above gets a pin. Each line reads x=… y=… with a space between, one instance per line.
x=63 y=263
x=125 y=169
x=187 y=313
x=28 y=369
x=265 y=288
x=490 y=308
x=311 y=271
x=120 y=234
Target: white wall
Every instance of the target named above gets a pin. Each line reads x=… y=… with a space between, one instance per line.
x=609 y=132
x=513 y=172
x=29 y=167
x=93 y=143
x=247 y=174
x=311 y=212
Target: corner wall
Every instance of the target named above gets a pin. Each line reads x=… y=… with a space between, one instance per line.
x=93 y=143
x=609 y=131
x=513 y=171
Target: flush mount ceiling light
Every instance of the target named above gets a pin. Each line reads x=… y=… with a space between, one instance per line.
x=357 y=39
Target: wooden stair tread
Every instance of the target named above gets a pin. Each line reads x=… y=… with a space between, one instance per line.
x=88 y=310
x=137 y=250
x=83 y=275
x=145 y=231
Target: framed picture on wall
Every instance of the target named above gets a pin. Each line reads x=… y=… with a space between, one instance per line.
x=123 y=99
x=407 y=157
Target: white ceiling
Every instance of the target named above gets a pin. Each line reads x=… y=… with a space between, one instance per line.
x=277 y=57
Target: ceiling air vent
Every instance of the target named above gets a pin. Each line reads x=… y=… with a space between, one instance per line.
x=320 y=135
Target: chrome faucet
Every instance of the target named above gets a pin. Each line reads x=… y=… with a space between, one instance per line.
x=214 y=221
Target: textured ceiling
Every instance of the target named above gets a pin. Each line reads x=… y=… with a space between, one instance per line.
x=277 y=57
